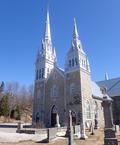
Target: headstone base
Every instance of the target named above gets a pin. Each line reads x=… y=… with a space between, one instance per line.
x=71 y=137
x=110 y=138
x=83 y=136
x=110 y=141
x=51 y=134
x=57 y=125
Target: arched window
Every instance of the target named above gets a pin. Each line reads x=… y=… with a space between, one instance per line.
x=42 y=72
x=69 y=63
x=48 y=71
x=72 y=89
x=88 y=110
x=72 y=62
x=54 y=91
x=76 y=61
x=54 y=109
x=39 y=73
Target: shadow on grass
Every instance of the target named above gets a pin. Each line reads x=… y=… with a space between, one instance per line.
x=43 y=141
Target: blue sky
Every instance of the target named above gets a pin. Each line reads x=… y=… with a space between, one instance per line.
x=22 y=24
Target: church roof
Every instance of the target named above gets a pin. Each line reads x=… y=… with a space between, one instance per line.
x=96 y=92
x=61 y=70
x=112 y=85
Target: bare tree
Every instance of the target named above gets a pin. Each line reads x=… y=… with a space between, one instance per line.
x=12 y=89
x=19 y=96
x=30 y=93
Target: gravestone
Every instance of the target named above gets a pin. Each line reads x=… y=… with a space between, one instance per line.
x=19 y=127
x=76 y=129
x=83 y=135
x=117 y=129
x=57 y=121
x=70 y=130
x=96 y=121
x=51 y=134
x=109 y=131
x=92 y=129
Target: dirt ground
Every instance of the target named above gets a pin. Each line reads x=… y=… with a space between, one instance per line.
x=96 y=139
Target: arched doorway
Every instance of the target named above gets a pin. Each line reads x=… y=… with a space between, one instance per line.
x=73 y=118
x=37 y=118
x=53 y=116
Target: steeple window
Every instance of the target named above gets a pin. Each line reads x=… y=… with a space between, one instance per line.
x=42 y=72
x=76 y=61
x=69 y=63
x=72 y=62
x=39 y=73
x=47 y=71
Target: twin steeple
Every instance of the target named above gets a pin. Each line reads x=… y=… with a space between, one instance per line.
x=47 y=60
x=47 y=40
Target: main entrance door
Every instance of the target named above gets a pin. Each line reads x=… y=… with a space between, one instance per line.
x=53 y=116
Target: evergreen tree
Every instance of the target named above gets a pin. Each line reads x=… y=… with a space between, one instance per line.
x=4 y=107
x=2 y=87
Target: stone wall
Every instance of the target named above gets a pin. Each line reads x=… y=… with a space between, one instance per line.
x=38 y=107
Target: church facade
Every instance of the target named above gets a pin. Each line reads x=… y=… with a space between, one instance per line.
x=57 y=91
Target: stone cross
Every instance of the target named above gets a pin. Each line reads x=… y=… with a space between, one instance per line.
x=70 y=130
x=110 y=138
x=57 y=120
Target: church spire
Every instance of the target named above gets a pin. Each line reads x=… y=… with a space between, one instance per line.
x=76 y=43
x=106 y=76
x=47 y=29
x=75 y=32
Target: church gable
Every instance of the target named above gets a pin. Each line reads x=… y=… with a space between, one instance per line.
x=56 y=72
x=55 y=84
